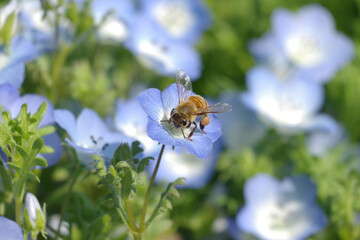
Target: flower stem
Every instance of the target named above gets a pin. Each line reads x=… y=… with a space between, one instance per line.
x=67 y=197
x=148 y=192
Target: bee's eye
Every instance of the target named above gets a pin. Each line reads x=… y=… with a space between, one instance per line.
x=183 y=121
x=175 y=115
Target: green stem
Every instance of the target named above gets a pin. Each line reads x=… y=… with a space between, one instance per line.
x=67 y=197
x=130 y=214
x=18 y=208
x=148 y=192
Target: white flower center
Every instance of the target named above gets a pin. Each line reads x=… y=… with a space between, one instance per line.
x=97 y=144
x=153 y=53
x=175 y=17
x=4 y=60
x=304 y=49
x=113 y=29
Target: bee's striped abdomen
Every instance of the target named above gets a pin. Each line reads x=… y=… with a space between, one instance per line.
x=199 y=101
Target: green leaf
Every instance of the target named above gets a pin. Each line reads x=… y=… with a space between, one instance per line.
x=99 y=165
x=47 y=149
x=41 y=111
x=13 y=166
x=46 y=130
x=22 y=152
x=32 y=176
x=135 y=148
x=6 y=117
x=7 y=30
x=165 y=201
x=122 y=153
x=36 y=147
x=126 y=179
x=143 y=163
x=5 y=177
x=41 y=162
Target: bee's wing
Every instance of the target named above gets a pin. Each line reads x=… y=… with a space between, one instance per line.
x=216 y=108
x=183 y=84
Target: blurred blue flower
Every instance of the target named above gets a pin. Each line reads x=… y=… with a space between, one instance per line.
x=10 y=230
x=307 y=40
x=158 y=106
x=12 y=63
x=11 y=101
x=289 y=104
x=240 y=120
x=178 y=163
x=131 y=120
x=183 y=20
x=40 y=28
x=280 y=210
x=159 y=52
x=89 y=135
x=112 y=18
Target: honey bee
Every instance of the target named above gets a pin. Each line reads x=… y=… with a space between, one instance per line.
x=192 y=106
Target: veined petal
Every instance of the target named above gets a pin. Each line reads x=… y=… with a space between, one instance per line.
x=67 y=121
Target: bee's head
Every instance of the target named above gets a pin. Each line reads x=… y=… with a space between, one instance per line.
x=178 y=119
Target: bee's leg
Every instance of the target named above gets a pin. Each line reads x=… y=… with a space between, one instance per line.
x=202 y=128
x=192 y=131
x=182 y=130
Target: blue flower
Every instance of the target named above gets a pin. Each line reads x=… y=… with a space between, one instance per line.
x=183 y=20
x=307 y=40
x=12 y=64
x=280 y=210
x=89 y=135
x=41 y=30
x=240 y=120
x=131 y=120
x=9 y=229
x=11 y=101
x=291 y=106
x=111 y=18
x=158 y=106
x=178 y=163
x=159 y=52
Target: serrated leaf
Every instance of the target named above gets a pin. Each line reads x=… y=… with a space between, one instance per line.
x=167 y=204
x=126 y=179
x=41 y=162
x=99 y=165
x=143 y=163
x=122 y=153
x=135 y=148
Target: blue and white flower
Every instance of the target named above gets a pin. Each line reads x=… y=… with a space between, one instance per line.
x=240 y=120
x=158 y=106
x=183 y=20
x=178 y=163
x=286 y=104
x=12 y=63
x=33 y=208
x=280 y=210
x=306 y=41
x=112 y=18
x=11 y=101
x=89 y=135
x=292 y=106
x=159 y=52
x=10 y=230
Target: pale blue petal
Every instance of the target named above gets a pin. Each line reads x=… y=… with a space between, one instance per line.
x=157 y=133
x=150 y=101
x=33 y=102
x=53 y=140
x=170 y=98
x=10 y=230
x=66 y=120
x=8 y=95
x=21 y=50
x=260 y=188
x=13 y=74
x=88 y=124
x=200 y=146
